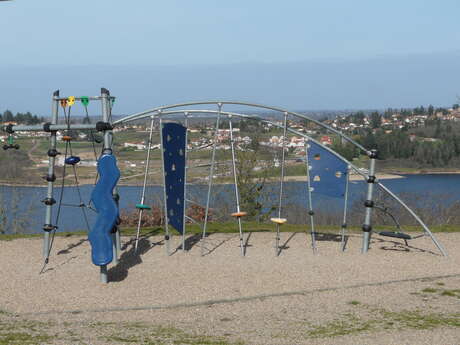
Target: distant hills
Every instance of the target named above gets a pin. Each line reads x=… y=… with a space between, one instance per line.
x=307 y=85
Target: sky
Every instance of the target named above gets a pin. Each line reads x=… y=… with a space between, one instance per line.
x=46 y=42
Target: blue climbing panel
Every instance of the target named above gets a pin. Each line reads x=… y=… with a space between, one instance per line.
x=174 y=168
x=328 y=173
x=107 y=211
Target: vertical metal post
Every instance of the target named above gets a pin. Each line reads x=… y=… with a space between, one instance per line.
x=237 y=195
x=211 y=175
x=185 y=179
x=283 y=158
x=369 y=203
x=167 y=237
x=311 y=213
x=116 y=196
x=105 y=99
x=103 y=274
x=51 y=177
x=144 y=186
x=345 y=208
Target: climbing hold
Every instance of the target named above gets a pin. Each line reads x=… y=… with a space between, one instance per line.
x=63 y=103
x=49 y=227
x=71 y=101
x=66 y=137
x=49 y=201
x=53 y=153
x=84 y=100
x=72 y=160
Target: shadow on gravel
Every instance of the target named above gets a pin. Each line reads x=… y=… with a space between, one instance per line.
x=285 y=246
x=128 y=260
x=190 y=242
x=321 y=236
x=401 y=247
x=71 y=246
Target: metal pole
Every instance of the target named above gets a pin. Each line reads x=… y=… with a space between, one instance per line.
x=185 y=179
x=51 y=177
x=281 y=184
x=311 y=213
x=211 y=175
x=369 y=203
x=103 y=274
x=52 y=127
x=115 y=194
x=105 y=94
x=164 y=190
x=235 y=181
x=144 y=186
x=345 y=207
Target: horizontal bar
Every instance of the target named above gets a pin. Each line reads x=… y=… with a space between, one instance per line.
x=90 y=98
x=39 y=128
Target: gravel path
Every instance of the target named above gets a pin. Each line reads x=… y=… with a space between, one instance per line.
x=392 y=295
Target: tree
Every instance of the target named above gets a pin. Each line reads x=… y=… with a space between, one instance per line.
x=251 y=186
x=375 y=120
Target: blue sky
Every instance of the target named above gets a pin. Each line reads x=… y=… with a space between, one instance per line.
x=152 y=34
x=217 y=32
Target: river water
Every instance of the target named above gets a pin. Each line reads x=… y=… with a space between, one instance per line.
x=24 y=211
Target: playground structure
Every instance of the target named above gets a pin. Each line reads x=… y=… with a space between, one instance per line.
x=327 y=173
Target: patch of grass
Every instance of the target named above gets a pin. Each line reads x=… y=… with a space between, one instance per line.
x=341 y=327
x=158 y=335
x=429 y=290
x=381 y=319
x=354 y=302
x=23 y=338
x=451 y=293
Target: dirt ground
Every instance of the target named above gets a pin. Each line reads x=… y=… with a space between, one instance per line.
x=394 y=294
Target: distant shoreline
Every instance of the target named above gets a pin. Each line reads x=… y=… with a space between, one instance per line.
x=353 y=177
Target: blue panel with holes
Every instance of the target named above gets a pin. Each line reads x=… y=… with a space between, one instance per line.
x=174 y=167
x=328 y=173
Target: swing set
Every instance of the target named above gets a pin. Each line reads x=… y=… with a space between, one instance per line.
x=327 y=173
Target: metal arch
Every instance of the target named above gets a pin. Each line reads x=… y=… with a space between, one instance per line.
x=356 y=169
x=258 y=118
x=138 y=116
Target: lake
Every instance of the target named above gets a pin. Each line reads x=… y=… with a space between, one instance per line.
x=24 y=209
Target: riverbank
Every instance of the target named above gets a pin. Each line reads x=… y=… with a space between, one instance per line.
x=222 y=298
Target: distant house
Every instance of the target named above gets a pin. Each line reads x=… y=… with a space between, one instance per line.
x=138 y=146
x=326 y=140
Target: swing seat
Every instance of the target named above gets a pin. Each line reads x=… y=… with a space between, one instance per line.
x=66 y=138
x=72 y=160
x=239 y=214
x=395 y=234
x=143 y=207
x=279 y=221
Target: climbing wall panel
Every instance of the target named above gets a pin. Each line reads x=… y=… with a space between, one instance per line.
x=174 y=137
x=328 y=173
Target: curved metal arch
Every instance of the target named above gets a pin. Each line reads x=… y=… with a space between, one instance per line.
x=186 y=112
x=158 y=110
x=258 y=118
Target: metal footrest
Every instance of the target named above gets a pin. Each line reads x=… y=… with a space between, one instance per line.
x=143 y=207
x=278 y=220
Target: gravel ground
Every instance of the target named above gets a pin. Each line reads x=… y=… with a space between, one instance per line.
x=392 y=295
